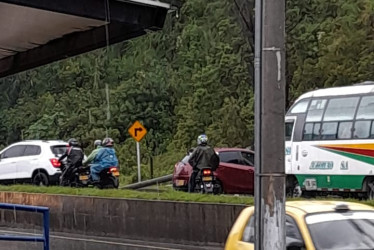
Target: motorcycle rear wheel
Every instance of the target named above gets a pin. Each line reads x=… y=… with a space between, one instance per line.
x=108 y=183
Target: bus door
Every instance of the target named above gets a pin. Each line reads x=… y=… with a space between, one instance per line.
x=290 y=122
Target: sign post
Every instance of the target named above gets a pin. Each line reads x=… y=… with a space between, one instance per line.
x=138 y=131
x=138 y=160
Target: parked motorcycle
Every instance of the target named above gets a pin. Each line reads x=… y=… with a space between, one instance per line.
x=79 y=177
x=206 y=182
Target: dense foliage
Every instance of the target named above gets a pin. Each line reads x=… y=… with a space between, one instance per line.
x=194 y=76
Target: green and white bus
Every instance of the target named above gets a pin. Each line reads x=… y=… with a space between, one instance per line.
x=330 y=142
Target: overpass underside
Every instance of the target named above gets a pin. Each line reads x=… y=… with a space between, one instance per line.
x=37 y=32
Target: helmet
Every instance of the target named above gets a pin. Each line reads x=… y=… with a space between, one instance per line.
x=97 y=143
x=202 y=139
x=108 y=142
x=73 y=142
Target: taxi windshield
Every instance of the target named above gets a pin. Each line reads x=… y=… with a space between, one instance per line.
x=343 y=231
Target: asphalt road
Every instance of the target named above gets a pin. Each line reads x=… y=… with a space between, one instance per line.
x=65 y=241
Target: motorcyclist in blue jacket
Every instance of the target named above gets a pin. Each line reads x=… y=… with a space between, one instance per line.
x=105 y=158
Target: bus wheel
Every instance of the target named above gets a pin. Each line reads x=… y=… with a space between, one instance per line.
x=297 y=191
x=294 y=190
x=370 y=190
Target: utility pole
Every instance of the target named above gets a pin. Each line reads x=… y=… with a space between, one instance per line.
x=269 y=124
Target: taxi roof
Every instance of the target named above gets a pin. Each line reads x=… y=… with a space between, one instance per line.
x=314 y=206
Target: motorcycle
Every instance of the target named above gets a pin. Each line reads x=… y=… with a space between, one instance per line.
x=206 y=182
x=80 y=177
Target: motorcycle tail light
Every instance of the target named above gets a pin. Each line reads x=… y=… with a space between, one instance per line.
x=55 y=163
x=111 y=170
x=207 y=172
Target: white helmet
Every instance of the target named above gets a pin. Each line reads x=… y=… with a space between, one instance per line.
x=202 y=139
x=97 y=143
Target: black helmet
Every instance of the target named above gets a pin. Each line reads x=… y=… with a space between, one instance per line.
x=97 y=143
x=73 y=142
x=108 y=142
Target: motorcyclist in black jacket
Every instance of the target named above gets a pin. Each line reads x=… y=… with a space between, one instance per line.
x=202 y=157
x=74 y=155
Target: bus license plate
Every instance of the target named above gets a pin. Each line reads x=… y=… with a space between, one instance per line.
x=207 y=178
x=310 y=184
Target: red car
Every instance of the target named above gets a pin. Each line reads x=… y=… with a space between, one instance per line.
x=235 y=171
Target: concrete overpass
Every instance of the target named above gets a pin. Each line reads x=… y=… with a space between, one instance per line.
x=38 y=32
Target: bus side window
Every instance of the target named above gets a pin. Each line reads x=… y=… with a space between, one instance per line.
x=345 y=130
x=340 y=109
x=362 y=129
x=366 y=108
x=300 y=107
x=329 y=130
x=308 y=132
x=317 y=131
x=316 y=109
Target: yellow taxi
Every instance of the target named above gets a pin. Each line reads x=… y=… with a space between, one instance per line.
x=313 y=225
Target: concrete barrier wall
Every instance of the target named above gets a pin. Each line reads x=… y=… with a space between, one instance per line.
x=163 y=221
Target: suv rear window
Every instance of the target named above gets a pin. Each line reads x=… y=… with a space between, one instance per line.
x=58 y=149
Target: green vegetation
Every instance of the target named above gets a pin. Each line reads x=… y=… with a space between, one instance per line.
x=194 y=76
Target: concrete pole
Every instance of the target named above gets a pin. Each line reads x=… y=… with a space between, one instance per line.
x=269 y=124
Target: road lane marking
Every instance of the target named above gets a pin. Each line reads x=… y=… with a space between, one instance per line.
x=96 y=241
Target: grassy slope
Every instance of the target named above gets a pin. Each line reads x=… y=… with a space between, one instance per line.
x=164 y=194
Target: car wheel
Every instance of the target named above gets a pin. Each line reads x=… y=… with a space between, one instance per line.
x=40 y=179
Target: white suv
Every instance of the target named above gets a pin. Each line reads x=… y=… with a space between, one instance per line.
x=32 y=161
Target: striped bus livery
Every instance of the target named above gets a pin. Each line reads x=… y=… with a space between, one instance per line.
x=330 y=141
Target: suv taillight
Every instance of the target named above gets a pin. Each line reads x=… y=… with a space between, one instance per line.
x=55 y=163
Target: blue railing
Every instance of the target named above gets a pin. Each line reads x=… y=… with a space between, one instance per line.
x=43 y=238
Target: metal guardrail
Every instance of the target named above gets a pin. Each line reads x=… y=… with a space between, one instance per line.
x=151 y=182
x=44 y=210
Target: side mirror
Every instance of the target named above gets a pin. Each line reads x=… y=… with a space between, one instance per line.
x=294 y=244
